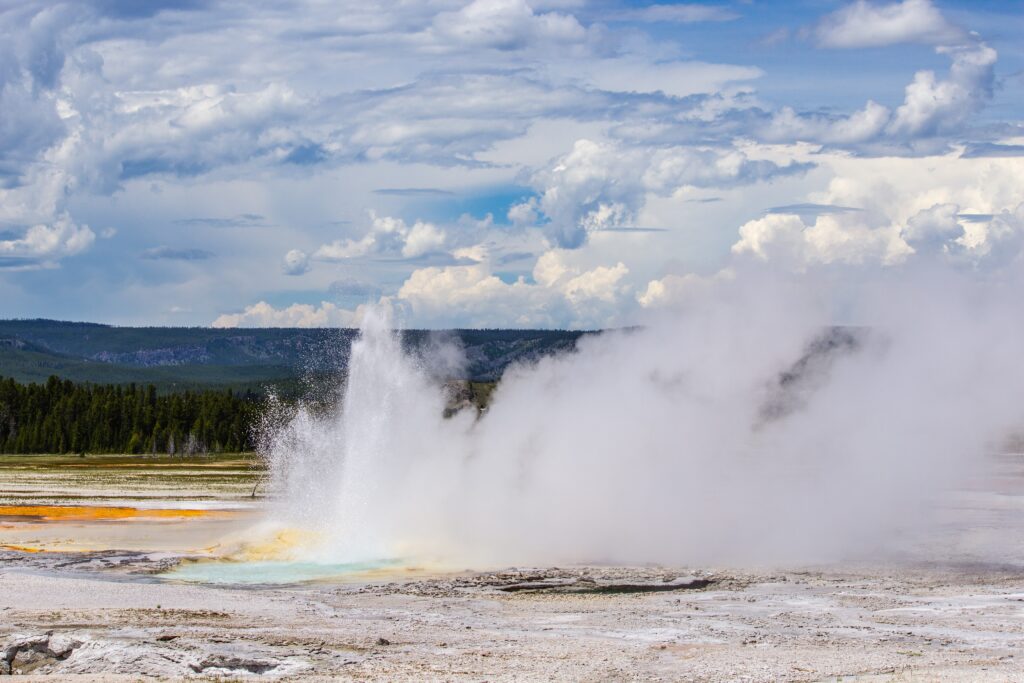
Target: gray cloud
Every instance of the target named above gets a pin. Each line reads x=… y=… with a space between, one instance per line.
x=515 y=256
x=682 y=13
x=172 y=254
x=296 y=262
x=242 y=220
x=19 y=262
x=144 y=9
x=975 y=217
x=811 y=210
x=978 y=150
x=625 y=228
x=413 y=192
x=353 y=287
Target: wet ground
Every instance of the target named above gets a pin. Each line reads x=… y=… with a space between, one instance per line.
x=104 y=578
x=72 y=503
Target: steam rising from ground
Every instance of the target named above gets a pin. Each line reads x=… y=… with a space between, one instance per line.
x=742 y=427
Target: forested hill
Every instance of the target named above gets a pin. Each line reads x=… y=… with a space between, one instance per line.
x=177 y=359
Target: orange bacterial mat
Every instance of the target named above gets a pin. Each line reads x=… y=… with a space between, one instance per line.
x=98 y=512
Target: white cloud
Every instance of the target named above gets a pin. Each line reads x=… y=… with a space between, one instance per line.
x=636 y=74
x=49 y=242
x=601 y=185
x=127 y=116
x=387 y=237
x=934 y=229
x=787 y=241
x=600 y=284
x=562 y=295
x=422 y=238
x=860 y=126
x=262 y=314
x=477 y=252
x=675 y=290
x=933 y=106
x=851 y=239
x=505 y=25
x=296 y=262
x=906 y=214
x=869 y=24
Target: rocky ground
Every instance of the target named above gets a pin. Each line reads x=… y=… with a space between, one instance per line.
x=88 y=598
x=102 y=616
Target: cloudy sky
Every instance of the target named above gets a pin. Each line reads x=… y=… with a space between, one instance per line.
x=541 y=163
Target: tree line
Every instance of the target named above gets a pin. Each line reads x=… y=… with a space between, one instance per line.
x=61 y=416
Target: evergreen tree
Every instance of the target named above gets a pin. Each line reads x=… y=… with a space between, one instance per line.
x=64 y=417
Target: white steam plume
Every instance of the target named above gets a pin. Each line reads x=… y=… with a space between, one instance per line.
x=743 y=428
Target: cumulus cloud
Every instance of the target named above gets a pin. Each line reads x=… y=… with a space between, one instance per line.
x=869 y=24
x=387 y=237
x=932 y=106
x=934 y=229
x=392 y=103
x=674 y=290
x=561 y=294
x=866 y=124
x=262 y=314
x=188 y=131
x=505 y=25
x=786 y=240
x=602 y=185
x=939 y=231
x=47 y=243
x=296 y=262
x=32 y=56
x=963 y=212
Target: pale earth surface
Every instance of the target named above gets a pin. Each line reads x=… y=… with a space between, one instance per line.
x=950 y=610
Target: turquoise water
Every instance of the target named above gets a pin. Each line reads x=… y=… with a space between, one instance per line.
x=268 y=572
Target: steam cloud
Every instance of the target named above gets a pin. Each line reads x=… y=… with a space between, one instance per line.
x=743 y=427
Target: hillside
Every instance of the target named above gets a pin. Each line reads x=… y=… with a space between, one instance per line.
x=178 y=358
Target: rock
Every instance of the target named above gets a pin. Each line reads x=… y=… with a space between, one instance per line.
x=27 y=653
x=61 y=645
x=231 y=666
x=383 y=641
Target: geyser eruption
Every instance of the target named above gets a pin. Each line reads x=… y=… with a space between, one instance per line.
x=745 y=427
x=343 y=475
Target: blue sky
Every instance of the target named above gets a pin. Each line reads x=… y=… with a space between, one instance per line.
x=558 y=163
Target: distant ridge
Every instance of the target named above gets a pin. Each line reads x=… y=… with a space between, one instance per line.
x=180 y=358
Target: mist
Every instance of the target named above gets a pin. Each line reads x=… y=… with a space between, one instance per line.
x=767 y=418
